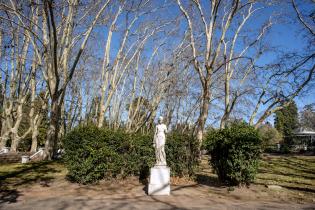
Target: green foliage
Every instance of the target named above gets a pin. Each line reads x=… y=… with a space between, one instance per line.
x=308 y=117
x=286 y=119
x=269 y=135
x=182 y=153
x=290 y=171
x=285 y=149
x=25 y=144
x=235 y=153
x=92 y=154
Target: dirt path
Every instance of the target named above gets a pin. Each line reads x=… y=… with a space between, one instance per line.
x=130 y=194
x=43 y=186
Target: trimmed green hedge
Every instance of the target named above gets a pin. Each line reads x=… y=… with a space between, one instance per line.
x=235 y=153
x=92 y=154
x=182 y=154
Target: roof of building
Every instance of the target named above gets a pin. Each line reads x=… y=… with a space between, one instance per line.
x=304 y=131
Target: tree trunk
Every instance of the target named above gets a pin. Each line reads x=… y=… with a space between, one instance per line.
x=15 y=140
x=226 y=100
x=4 y=140
x=4 y=134
x=53 y=131
x=203 y=115
x=34 y=139
x=102 y=108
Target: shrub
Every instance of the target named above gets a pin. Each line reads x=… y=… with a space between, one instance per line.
x=269 y=135
x=88 y=157
x=235 y=153
x=141 y=156
x=285 y=149
x=181 y=153
x=92 y=154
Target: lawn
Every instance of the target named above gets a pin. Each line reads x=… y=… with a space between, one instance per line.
x=292 y=172
x=13 y=176
x=295 y=173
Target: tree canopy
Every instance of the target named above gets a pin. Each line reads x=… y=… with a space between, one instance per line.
x=287 y=119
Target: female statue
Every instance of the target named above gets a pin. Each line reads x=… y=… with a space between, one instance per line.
x=159 y=143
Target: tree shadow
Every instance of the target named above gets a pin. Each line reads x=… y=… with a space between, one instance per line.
x=122 y=202
x=183 y=187
x=23 y=176
x=287 y=164
x=146 y=189
x=298 y=163
x=169 y=205
x=303 y=189
x=9 y=196
x=296 y=174
x=286 y=184
x=36 y=166
x=211 y=181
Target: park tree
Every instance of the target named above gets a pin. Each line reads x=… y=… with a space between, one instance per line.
x=286 y=119
x=21 y=73
x=292 y=72
x=269 y=135
x=213 y=22
x=307 y=117
x=51 y=31
x=120 y=64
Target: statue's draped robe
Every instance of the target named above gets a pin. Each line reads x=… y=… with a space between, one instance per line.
x=159 y=141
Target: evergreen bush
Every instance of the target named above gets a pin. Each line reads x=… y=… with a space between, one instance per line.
x=235 y=153
x=92 y=154
x=269 y=136
x=181 y=153
x=88 y=157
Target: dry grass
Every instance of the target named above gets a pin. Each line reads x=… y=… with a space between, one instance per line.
x=292 y=172
x=13 y=176
x=295 y=173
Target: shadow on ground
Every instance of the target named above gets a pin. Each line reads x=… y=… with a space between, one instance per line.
x=211 y=181
x=291 y=172
x=23 y=176
x=183 y=202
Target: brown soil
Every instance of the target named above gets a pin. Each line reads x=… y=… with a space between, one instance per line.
x=130 y=194
x=45 y=187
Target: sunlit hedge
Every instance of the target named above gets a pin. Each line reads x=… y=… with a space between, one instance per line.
x=92 y=154
x=235 y=153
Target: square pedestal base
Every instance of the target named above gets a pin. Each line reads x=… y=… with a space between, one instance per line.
x=159 y=181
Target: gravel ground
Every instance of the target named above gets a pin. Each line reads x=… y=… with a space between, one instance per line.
x=130 y=194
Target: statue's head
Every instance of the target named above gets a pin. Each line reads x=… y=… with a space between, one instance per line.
x=160 y=119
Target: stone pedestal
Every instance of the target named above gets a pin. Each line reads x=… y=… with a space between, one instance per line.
x=159 y=181
x=5 y=149
x=25 y=159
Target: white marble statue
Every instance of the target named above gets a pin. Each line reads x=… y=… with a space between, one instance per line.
x=159 y=143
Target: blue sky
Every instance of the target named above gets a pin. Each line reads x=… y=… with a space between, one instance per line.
x=288 y=36
x=284 y=34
